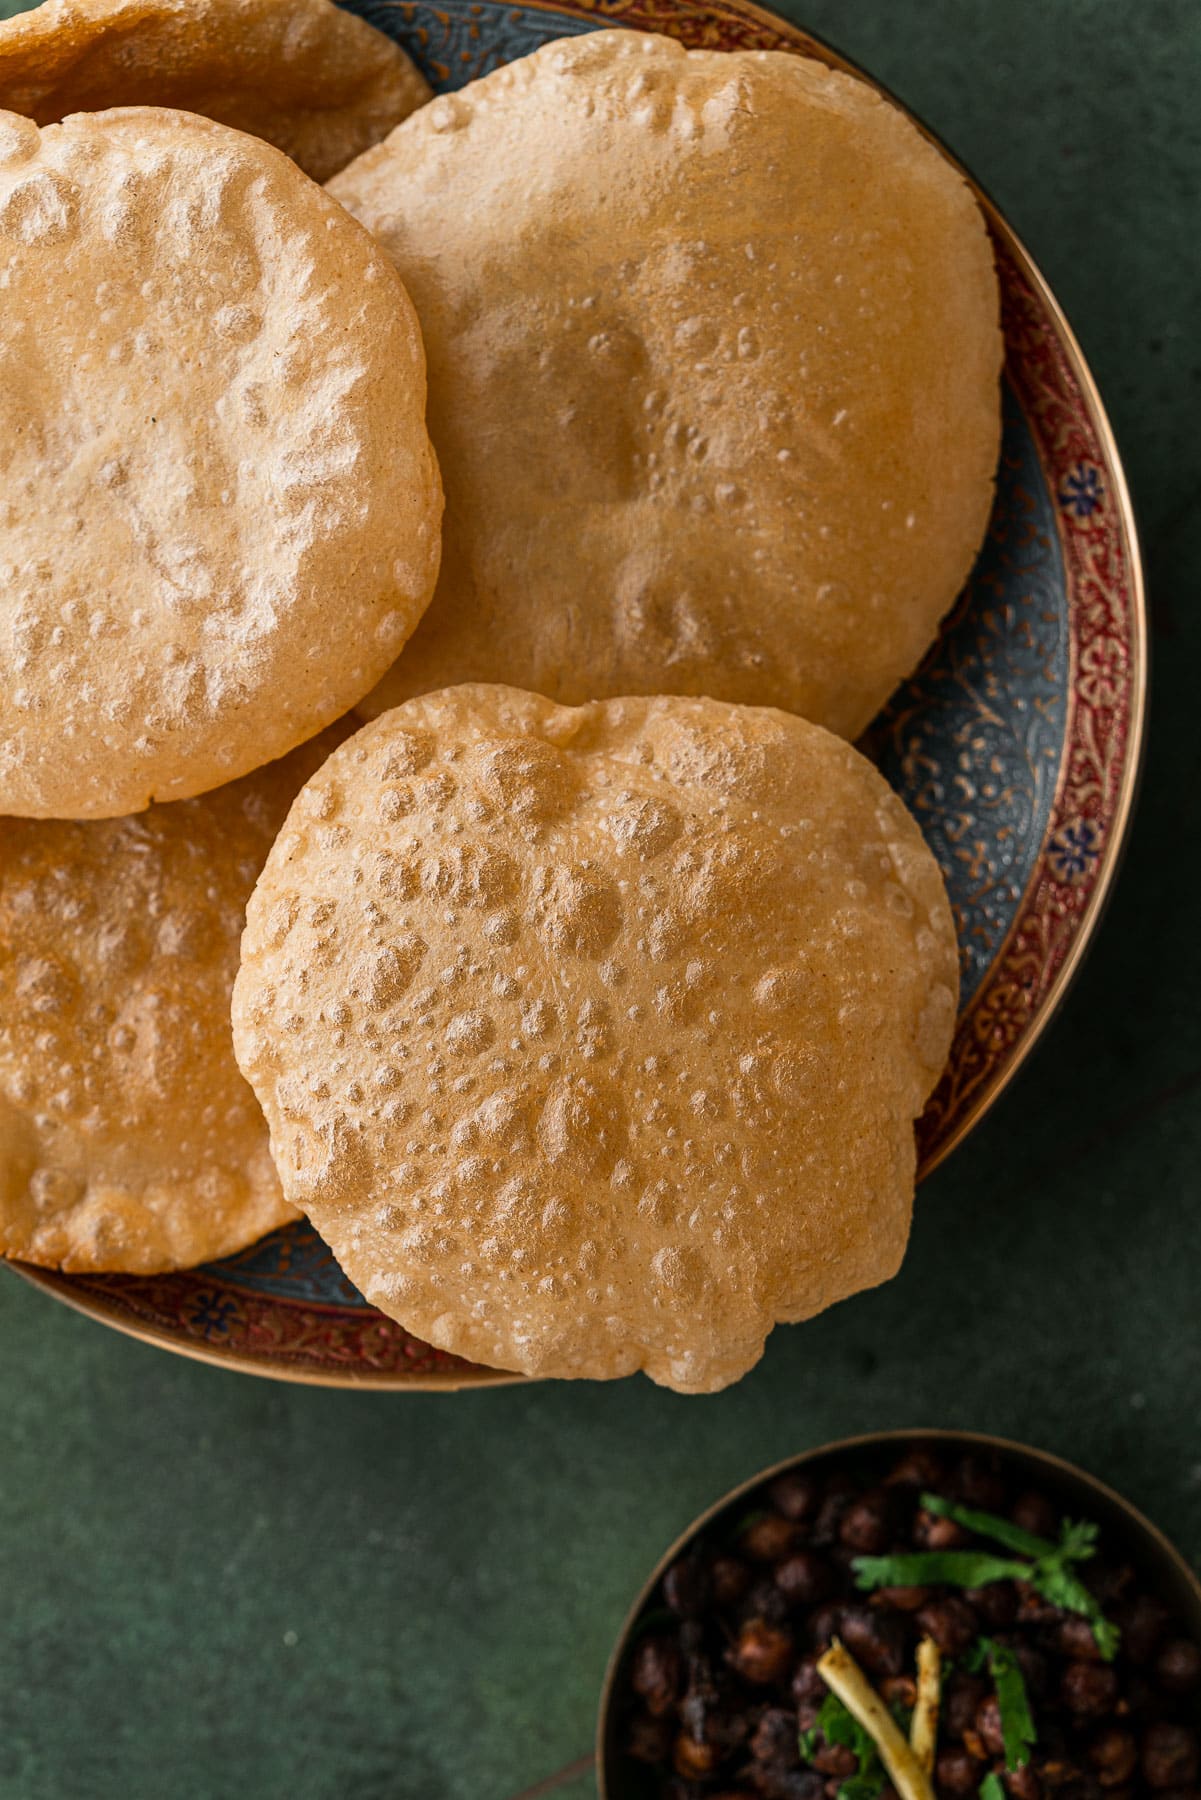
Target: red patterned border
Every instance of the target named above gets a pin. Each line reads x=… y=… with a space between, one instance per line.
x=292 y=1341
x=1103 y=728
x=1103 y=731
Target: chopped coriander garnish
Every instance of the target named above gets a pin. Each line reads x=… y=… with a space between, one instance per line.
x=988 y=1525
x=1017 y=1721
x=837 y=1725
x=1061 y=1587
x=992 y=1787
x=1078 y=1539
x=930 y=1568
x=1046 y=1567
x=867 y=1786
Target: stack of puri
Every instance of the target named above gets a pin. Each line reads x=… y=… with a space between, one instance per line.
x=591 y=981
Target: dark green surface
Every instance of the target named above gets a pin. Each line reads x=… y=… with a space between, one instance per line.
x=213 y=1586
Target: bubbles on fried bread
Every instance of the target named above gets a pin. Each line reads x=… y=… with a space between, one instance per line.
x=608 y=1064
x=38 y=209
x=220 y=549
x=114 y=1014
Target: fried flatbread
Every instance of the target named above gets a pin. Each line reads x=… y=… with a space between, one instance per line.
x=315 y=81
x=219 y=514
x=591 y=1039
x=128 y=1139
x=714 y=354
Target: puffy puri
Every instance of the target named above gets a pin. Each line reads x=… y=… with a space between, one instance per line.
x=220 y=510
x=315 y=81
x=591 y=1039
x=128 y=1139
x=714 y=363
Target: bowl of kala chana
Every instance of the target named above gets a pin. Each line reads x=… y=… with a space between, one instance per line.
x=910 y=1616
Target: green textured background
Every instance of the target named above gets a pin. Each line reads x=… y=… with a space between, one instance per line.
x=215 y=1586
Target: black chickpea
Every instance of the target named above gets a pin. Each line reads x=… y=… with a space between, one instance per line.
x=1143 y=1621
x=836 y=1759
x=795 y=1496
x=951 y=1623
x=807 y=1684
x=961 y=1696
x=866 y=1526
x=1113 y=1754
x=655 y=1673
x=805 y=1578
x=876 y=1639
x=1170 y=1756
x=1035 y=1513
x=729 y=1579
x=989 y=1728
x=694 y=1757
x=932 y=1532
x=768 y=1539
x=901 y=1599
x=824 y=1626
x=762 y=1653
x=1178 y=1666
x=1023 y=1783
x=649 y=1739
x=1074 y=1637
x=775 y=1738
x=995 y=1605
x=764 y=1600
x=686 y=1588
x=918 y=1468
x=1089 y=1689
x=976 y=1483
x=957 y=1773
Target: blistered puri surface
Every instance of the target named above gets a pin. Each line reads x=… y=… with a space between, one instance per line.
x=219 y=517
x=534 y=997
x=306 y=75
x=128 y=1139
x=714 y=353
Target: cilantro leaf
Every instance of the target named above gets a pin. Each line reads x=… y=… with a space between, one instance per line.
x=992 y=1787
x=1062 y=1588
x=837 y=1725
x=929 y=1568
x=834 y=1725
x=988 y=1525
x=1048 y=1570
x=1077 y=1539
x=865 y=1786
x=1017 y=1721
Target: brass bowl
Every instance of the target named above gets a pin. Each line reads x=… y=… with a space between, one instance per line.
x=1159 y=1564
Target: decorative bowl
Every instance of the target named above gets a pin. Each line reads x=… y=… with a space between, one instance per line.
x=1016 y=745
x=1161 y=1567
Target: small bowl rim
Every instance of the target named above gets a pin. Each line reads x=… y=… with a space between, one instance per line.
x=1141 y=1527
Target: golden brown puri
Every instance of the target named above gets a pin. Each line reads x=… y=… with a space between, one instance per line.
x=128 y=1139
x=219 y=518
x=318 y=83
x=714 y=355
x=591 y=1039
